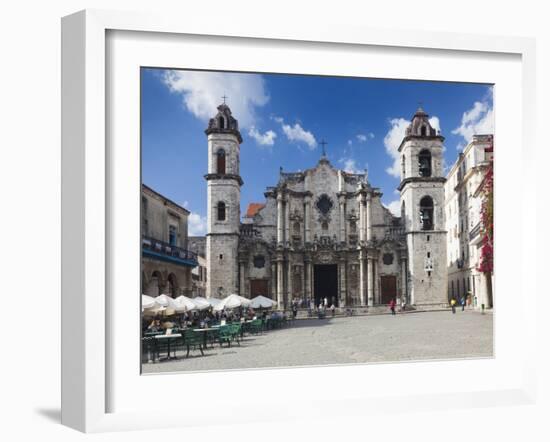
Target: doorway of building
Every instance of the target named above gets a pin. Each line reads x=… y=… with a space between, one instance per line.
x=325 y=284
x=388 y=286
x=258 y=287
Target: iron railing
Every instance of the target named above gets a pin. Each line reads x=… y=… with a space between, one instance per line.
x=165 y=249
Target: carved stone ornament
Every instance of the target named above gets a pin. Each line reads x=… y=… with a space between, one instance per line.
x=324 y=204
x=259 y=261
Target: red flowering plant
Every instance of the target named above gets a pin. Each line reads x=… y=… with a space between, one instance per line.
x=486 y=258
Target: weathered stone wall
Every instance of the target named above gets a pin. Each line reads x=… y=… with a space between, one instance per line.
x=222 y=260
x=153 y=285
x=427 y=288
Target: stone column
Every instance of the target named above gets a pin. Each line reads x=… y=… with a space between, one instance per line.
x=307 y=202
x=369 y=218
x=242 y=281
x=370 y=281
x=273 y=280
x=307 y=278
x=342 y=202
x=280 y=269
x=287 y=220
x=343 y=290
x=303 y=280
x=375 y=280
x=404 y=277
x=289 y=284
x=279 y=218
x=361 y=218
x=362 y=278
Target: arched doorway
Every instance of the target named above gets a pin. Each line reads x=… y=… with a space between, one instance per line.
x=172 y=285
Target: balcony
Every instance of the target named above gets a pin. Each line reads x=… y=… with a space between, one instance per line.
x=156 y=249
x=475 y=233
x=248 y=231
x=395 y=233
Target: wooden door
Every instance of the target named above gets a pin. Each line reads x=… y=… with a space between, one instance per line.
x=258 y=287
x=388 y=285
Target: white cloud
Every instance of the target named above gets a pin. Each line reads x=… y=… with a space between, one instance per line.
x=297 y=133
x=202 y=92
x=434 y=122
x=196 y=225
x=265 y=139
x=477 y=120
x=392 y=140
x=350 y=142
x=349 y=165
x=394 y=207
x=362 y=138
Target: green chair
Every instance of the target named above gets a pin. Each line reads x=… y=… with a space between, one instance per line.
x=256 y=326
x=236 y=332
x=193 y=340
x=225 y=335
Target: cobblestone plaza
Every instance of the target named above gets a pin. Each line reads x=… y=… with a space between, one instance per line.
x=349 y=340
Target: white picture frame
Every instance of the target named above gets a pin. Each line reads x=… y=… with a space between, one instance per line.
x=87 y=215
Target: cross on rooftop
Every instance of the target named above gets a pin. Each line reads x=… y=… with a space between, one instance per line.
x=323 y=143
x=224 y=97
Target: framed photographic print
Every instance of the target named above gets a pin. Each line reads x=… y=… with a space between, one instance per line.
x=290 y=210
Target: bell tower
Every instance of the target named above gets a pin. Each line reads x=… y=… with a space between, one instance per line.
x=422 y=210
x=224 y=198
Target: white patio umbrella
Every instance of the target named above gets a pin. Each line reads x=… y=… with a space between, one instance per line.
x=201 y=303
x=262 y=302
x=184 y=304
x=147 y=302
x=213 y=301
x=232 y=301
x=168 y=303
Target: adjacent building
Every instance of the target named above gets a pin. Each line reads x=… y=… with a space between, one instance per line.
x=166 y=262
x=197 y=244
x=324 y=233
x=463 y=204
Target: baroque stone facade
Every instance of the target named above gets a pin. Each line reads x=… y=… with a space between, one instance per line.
x=166 y=264
x=324 y=233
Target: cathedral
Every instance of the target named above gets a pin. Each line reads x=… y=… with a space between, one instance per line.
x=324 y=233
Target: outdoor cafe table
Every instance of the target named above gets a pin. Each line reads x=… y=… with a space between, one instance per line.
x=169 y=338
x=205 y=331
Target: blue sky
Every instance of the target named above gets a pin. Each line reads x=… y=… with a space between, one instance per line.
x=282 y=120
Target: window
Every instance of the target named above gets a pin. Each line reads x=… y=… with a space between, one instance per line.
x=428 y=254
x=426 y=213
x=425 y=163
x=221 y=211
x=324 y=204
x=220 y=161
x=403 y=165
x=427 y=238
x=172 y=235
x=423 y=131
x=221 y=122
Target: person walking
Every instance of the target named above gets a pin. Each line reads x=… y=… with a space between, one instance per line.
x=392 y=306
x=453 y=305
x=463 y=302
x=403 y=302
